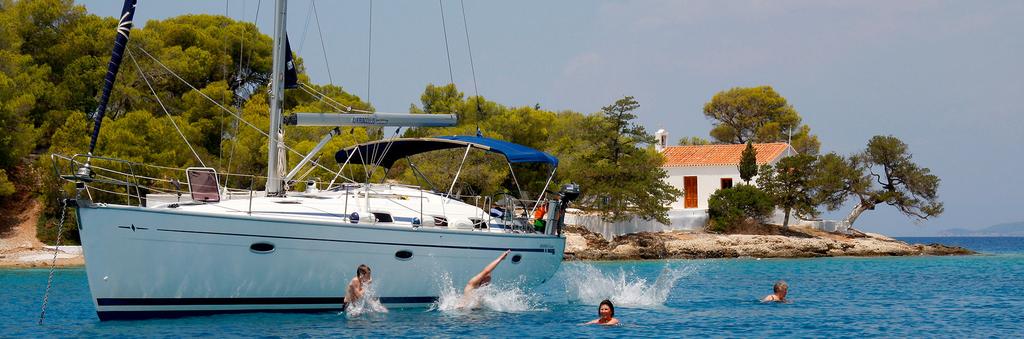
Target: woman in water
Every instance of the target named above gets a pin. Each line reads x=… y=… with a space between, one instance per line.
x=606 y=314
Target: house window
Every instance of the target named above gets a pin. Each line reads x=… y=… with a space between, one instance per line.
x=726 y=183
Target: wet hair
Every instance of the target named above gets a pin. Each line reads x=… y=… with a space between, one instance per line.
x=362 y=270
x=780 y=286
x=610 y=307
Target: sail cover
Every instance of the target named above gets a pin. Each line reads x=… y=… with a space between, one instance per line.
x=387 y=152
x=124 y=28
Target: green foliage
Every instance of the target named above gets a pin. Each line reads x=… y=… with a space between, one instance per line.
x=442 y=99
x=620 y=130
x=730 y=208
x=758 y=114
x=53 y=56
x=836 y=177
x=607 y=153
x=6 y=186
x=884 y=173
x=693 y=141
x=19 y=90
x=748 y=163
x=620 y=172
x=789 y=185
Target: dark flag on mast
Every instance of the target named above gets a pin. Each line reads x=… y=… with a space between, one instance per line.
x=124 y=28
x=291 y=77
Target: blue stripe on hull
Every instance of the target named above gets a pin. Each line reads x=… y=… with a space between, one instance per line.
x=332 y=304
x=250 y=301
x=140 y=315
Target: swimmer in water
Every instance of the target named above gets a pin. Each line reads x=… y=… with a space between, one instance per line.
x=357 y=286
x=605 y=314
x=780 y=290
x=479 y=280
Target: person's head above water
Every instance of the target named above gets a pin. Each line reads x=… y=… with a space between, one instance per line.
x=780 y=289
x=606 y=310
x=363 y=273
x=605 y=314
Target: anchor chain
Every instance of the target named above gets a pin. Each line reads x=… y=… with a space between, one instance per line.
x=53 y=263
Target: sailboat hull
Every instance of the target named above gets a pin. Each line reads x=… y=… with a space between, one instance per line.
x=144 y=262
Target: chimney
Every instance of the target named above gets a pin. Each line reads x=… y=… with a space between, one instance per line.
x=662 y=136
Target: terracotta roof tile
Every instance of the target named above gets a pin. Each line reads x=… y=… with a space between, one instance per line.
x=717 y=155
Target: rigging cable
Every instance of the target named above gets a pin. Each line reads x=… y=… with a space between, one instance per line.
x=472 y=67
x=241 y=61
x=369 y=52
x=224 y=76
x=305 y=28
x=169 y=117
x=219 y=105
x=447 y=51
x=323 y=47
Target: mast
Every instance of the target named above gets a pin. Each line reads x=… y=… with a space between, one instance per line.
x=274 y=184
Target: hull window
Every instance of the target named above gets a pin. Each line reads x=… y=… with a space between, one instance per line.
x=403 y=255
x=261 y=247
x=517 y=258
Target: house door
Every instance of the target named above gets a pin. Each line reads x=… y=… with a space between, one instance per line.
x=690 y=186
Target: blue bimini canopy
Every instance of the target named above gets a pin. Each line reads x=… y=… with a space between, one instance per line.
x=387 y=152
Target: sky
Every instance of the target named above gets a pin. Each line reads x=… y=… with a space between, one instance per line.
x=946 y=77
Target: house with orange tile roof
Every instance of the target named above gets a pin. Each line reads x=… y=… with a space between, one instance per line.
x=700 y=170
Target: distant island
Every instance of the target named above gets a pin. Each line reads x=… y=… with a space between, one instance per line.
x=1010 y=229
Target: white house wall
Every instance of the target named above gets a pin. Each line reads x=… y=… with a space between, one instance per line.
x=708 y=181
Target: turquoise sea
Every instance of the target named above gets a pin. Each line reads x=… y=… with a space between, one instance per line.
x=964 y=296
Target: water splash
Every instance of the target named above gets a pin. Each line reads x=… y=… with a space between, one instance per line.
x=500 y=298
x=368 y=304
x=586 y=284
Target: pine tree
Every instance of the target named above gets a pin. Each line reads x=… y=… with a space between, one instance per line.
x=748 y=163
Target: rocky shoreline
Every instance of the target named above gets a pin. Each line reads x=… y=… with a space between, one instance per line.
x=582 y=244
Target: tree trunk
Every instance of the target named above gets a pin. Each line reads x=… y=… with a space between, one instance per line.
x=785 y=221
x=857 y=210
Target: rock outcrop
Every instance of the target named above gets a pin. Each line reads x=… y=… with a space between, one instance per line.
x=582 y=244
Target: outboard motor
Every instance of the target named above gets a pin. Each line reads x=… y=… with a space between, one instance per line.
x=569 y=192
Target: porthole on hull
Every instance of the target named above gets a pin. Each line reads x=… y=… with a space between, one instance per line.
x=261 y=247
x=403 y=255
x=517 y=258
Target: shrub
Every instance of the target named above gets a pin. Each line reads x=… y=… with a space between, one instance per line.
x=731 y=207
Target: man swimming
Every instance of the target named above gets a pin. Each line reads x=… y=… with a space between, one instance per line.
x=479 y=280
x=356 y=286
x=780 y=290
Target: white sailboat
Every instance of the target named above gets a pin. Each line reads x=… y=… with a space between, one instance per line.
x=212 y=251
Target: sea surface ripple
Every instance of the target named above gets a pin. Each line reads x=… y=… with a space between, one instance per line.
x=962 y=296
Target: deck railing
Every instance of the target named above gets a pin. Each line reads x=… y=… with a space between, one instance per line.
x=118 y=181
